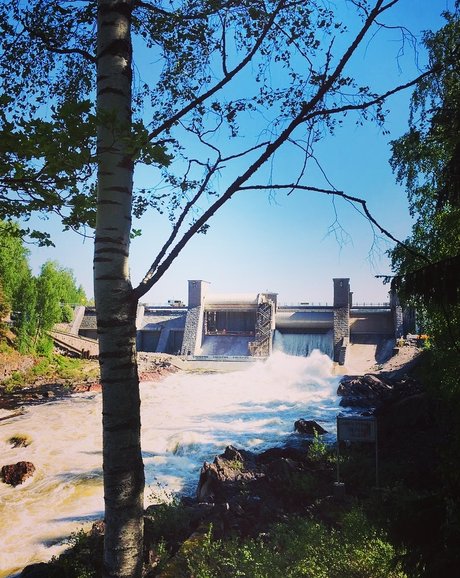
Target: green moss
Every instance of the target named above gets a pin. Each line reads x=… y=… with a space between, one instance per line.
x=20 y=440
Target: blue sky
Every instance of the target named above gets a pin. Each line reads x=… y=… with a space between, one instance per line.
x=285 y=244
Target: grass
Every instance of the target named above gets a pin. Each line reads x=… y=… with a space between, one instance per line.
x=55 y=367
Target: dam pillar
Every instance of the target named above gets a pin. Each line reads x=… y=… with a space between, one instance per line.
x=398 y=316
x=341 y=332
x=193 y=331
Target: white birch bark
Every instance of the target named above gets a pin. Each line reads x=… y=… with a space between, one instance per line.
x=115 y=304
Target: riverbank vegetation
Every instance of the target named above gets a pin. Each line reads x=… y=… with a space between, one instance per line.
x=29 y=372
x=30 y=305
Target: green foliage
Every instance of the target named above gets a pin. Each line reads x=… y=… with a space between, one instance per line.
x=299 y=548
x=81 y=560
x=426 y=160
x=48 y=367
x=14 y=382
x=318 y=450
x=37 y=303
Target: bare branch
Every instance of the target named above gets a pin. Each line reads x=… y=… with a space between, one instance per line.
x=307 y=112
x=149 y=280
x=223 y=82
x=343 y=195
x=52 y=46
x=377 y=100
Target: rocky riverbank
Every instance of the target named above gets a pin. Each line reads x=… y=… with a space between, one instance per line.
x=22 y=384
x=391 y=381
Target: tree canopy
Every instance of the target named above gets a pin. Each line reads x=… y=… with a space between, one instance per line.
x=426 y=159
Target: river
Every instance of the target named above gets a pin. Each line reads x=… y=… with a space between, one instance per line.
x=187 y=418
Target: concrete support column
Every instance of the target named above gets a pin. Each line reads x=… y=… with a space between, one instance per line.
x=193 y=332
x=398 y=316
x=341 y=332
x=78 y=314
x=197 y=290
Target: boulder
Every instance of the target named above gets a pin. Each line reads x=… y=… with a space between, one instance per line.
x=364 y=391
x=218 y=480
x=371 y=390
x=308 y=427
x=15 y=474
x=40 y=570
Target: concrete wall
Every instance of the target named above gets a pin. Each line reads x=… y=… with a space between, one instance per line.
x=197 y=290
x=193 y=331
x=377 y=322
x=341 y=329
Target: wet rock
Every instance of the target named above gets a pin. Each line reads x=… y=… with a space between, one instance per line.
x=40 y=570
x=308 y=427
x=218 y=480
x=282 y=469
x=364 y=391
x=296 y=454
x=372 y=390
x=15 y=474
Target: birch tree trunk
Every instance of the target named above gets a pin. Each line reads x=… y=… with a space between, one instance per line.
x=115 y=303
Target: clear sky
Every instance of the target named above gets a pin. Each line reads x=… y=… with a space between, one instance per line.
x=287 y=244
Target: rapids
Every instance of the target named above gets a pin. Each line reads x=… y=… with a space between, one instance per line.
x=187 y=418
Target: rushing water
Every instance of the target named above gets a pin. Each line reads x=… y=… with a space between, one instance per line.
x=186 y=419
x=302 y=344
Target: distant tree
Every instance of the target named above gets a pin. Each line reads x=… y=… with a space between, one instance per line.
x=14 y=265
x=36 y=303
x=230 y=84
x=4 y=305
x=56 y=291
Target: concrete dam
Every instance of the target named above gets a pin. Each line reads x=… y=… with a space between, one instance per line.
x=247 y=326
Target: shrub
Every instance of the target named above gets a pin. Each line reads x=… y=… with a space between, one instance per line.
x=300 y=548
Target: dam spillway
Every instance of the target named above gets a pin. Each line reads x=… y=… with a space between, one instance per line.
x=245 y=326
x=303 y=344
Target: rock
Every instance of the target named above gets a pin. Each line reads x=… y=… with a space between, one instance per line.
x=282 y=469
x=273 y=454
x=364 y=391
x=217 y=480
x=15 y=474
x=40 y=570
x=308 y=427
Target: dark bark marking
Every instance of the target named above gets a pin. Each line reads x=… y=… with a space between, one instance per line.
x=112 y=323
x=109 y=90
x=108 y=202
x=118 y=47
x=110 y=355
x=101 y=260
x=113 y=251
x=127 y=425
x=108 y=277
x=126 y=163
x=120 y=8
x=120 y=190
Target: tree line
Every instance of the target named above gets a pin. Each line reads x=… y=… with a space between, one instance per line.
x=34 y=303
